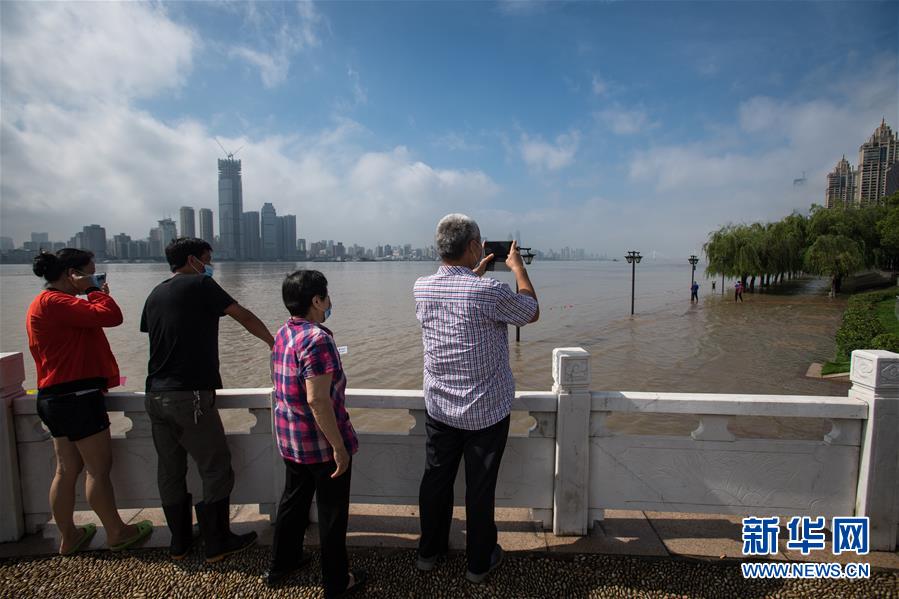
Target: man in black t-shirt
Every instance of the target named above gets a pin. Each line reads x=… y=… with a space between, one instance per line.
x=182 y=317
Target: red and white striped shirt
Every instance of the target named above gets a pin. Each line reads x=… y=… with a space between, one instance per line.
x=464 y=320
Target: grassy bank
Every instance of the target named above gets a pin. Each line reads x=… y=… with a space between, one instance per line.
x=869 y=322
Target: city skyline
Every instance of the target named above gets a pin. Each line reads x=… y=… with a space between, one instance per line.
x=594 y=125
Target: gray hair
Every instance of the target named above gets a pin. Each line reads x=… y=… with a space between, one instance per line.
x=454 y=233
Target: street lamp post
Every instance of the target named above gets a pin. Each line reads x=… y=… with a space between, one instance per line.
x=692 y=260
x=528 y=257
x=633 y=258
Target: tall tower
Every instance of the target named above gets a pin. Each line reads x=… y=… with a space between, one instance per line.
x=167 y=231
x=269 y=220
x=251 y=241
x=840 y=191
x=188 y=222
x=206 y=231
x=230 y=208
x=874 y=159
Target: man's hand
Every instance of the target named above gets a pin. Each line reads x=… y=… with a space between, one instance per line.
x=514 y=261
x=342 y=458
x=481 y=268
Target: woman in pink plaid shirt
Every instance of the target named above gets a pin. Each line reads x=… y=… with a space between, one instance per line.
x=315 y=437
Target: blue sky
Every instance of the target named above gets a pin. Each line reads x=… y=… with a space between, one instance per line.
x=601 y=125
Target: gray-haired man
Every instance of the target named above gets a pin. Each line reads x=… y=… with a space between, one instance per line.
x=468 y=388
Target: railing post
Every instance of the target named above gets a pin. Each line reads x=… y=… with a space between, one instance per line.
x=12 y=519
x=571 y=384
x=875 y=380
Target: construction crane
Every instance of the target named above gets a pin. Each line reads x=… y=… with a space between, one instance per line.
x=227 y=153
x=800 y=181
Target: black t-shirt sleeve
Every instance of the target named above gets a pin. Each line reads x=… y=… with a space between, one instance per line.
x=216 y=298
x=144 y=327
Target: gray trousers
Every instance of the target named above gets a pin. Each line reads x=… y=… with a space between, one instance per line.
x=187 y=422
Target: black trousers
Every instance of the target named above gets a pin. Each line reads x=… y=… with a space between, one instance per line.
x=483 y=451
x=333 y=500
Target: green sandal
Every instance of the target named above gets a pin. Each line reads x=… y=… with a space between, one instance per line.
x=89 y=531
x=144 y=529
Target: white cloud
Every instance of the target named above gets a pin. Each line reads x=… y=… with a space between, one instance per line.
x=599 y=86
x=749 y=176
x=623 y=121
x=457 y=142
x=106 y=161
x=80 y=53
x=360 y=96
x=281 y=37
x=542 y=155
x=273 y=68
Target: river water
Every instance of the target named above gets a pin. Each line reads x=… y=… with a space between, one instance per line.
x=761 y=346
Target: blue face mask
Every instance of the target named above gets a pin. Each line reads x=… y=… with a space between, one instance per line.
x=207 y=270
x=328 y=313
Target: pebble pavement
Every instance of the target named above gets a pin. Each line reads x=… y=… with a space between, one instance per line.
x=149 y=574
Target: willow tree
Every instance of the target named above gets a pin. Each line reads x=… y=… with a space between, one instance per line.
x=835 y=256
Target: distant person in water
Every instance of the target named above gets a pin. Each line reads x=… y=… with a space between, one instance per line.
x=694 y=292
x=738 y=291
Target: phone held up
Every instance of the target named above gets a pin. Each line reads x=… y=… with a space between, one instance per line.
x=500 y=251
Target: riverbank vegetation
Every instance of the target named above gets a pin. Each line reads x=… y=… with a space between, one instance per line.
x=835 y=243
x=869 y=322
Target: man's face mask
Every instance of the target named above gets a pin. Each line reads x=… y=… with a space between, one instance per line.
x=207 y=269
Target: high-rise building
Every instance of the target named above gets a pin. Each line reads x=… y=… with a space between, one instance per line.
x=122 y=245
x=301 y=248
x=840 y=192
x=6 y=244
x=893 y=178
x=155 y=248
x=168 y=231
x=875 y=156
x=206 y=231
x=287 y=230
x=252 y=242
x=269 y=232
x=94 y=240
x=230 y=208
x=188 y=222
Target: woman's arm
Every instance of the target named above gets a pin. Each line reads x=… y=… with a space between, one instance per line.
x=318 y=390
x=98 y=310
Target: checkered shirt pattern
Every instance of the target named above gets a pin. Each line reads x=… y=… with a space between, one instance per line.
x=464 y=320
x=304 y=350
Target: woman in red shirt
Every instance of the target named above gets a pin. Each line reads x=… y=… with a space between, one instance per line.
x=75 y=368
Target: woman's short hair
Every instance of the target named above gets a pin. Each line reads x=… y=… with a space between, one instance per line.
x=180 y=249
x=454 y=233
x=300 y=287
x=52 y=266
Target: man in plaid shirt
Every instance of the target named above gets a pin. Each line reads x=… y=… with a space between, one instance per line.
x=468 y=388
x=315 y=436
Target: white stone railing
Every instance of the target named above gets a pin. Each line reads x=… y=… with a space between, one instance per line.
x=568 y=468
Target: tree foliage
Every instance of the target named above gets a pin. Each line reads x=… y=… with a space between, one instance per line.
x=832 y=242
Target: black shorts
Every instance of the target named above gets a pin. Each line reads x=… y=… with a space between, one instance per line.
x=74 y=416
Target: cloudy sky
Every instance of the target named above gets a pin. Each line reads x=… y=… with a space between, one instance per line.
x=608 y=126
